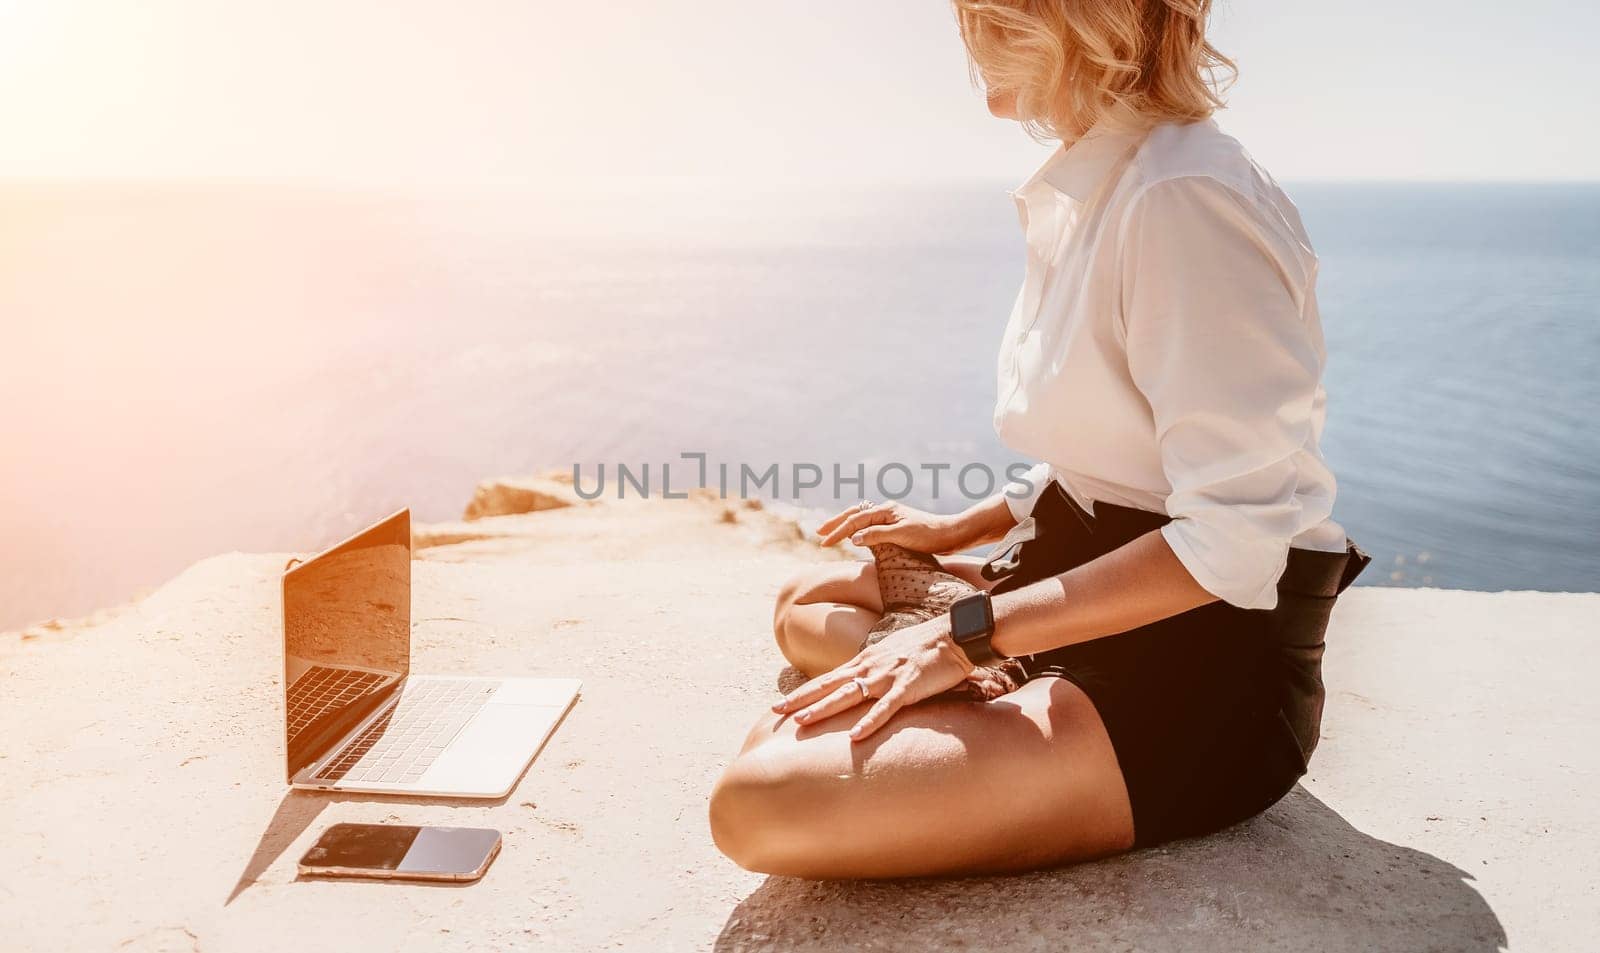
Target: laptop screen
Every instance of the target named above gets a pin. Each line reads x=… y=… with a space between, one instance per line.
x=346 y=636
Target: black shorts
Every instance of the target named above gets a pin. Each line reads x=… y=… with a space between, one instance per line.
x=1213 y=713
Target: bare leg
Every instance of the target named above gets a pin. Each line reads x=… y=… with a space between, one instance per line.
x=823 y=614
x=1026 y=781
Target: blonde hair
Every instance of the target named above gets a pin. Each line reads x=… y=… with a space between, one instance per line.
x=1073 y=63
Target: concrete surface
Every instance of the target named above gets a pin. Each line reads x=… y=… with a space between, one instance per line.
x=143 y=807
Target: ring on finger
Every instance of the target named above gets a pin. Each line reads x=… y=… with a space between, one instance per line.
x=861 y=683
x=865 y=505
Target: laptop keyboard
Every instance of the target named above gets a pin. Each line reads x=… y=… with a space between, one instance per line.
x=322 y=689
x=402 y=742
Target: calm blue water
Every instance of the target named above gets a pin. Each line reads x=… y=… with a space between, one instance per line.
x=266 y=370
x=1463 y=327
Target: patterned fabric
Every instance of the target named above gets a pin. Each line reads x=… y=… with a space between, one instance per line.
x=915 y=588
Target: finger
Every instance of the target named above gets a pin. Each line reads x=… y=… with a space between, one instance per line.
x=852 y=521
x=861 y=520
x=815 y=689
x=843 y=698
x=840 y=517
x=873 y=535
x=879 y=713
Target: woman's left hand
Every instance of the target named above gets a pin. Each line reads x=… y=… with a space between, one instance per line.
x=914 y=663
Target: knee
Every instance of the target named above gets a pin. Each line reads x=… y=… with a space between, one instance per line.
x=795 y=590
x=741 y=814
x=760 y=815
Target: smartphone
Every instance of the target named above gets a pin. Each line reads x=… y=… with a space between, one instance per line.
x=402 y=852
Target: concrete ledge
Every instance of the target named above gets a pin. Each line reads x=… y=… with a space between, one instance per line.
x=1451 y=805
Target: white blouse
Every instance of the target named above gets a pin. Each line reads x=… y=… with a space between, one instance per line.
x=1165 y=352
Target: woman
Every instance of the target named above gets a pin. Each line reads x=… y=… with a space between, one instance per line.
x=1172 y=562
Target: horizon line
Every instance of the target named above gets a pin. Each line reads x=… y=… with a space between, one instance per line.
x=553 y=186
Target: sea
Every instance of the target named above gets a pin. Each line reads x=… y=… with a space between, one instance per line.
x=196 y=368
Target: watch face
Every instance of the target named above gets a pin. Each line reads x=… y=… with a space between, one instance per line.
x=969 y=617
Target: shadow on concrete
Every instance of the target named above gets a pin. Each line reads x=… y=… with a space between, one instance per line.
x=1297 y=877
x=299 y=809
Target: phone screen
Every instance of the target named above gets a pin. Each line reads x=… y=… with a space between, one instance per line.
x=398 y=850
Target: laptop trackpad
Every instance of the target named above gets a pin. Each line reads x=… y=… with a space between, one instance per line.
x=491 y=752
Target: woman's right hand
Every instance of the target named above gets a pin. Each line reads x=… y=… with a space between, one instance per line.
x=900 y=524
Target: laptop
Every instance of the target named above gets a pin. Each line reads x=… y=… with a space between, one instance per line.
x=355 y=716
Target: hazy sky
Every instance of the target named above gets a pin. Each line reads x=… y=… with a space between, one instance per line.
x=528 y=92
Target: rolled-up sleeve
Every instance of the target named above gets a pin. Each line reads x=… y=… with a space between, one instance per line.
x=1214 y=296
x=1022 y=494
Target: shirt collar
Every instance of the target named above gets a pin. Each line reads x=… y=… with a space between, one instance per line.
x=1077 y=169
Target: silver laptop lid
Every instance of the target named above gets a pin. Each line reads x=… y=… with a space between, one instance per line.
x=346 y=636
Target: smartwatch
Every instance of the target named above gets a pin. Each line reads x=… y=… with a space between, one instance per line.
x=972 y=625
